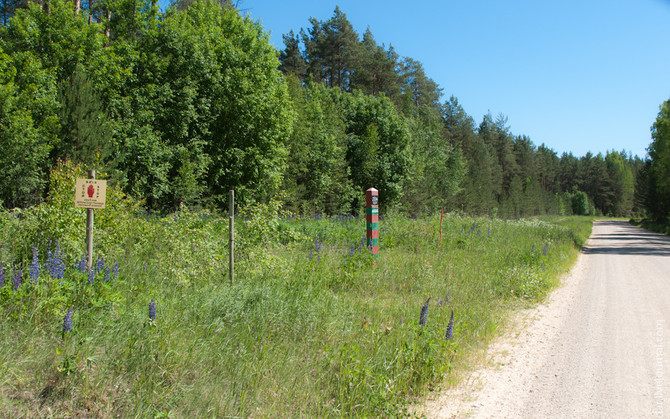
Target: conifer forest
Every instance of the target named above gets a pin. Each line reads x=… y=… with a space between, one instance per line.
x=179 y=107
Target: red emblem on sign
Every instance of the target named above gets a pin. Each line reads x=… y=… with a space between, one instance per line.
x=91 y=191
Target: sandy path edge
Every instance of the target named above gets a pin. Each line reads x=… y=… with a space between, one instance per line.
x=510 y=357
x=597 y=347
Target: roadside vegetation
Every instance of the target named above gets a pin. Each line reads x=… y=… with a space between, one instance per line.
x=658 y=227
x=309 y=327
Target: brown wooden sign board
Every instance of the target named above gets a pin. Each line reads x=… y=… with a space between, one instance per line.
x=90 y=193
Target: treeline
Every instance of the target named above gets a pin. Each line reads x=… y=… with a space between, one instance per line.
x=183 y=105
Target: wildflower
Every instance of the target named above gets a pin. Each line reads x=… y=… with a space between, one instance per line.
x=489 y=232
x=91 y=277
x=424 y=313
x=99 y=265
x=17 y=278
x=2 y=276
x=448 y=297
x=450 y=327
x=35 y=266
x=106 y=275
x=81 y=266
x=544 y=250
x=67 y=321
x=115 y=271
x=152 y=310
x=55 y=264
x=311 y=254
x=543 y=267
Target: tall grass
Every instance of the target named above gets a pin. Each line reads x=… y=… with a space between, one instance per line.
x=309 y=328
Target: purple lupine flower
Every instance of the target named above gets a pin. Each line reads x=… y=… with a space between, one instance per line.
x=152 y=310
x=543 y=267
x=81 y=266
x=450 y=327
x=17 y=278
x=91 y=277
x=311 y=254
x=115 y=271
x=99 y=265
x=423 y=318
x=67 y=321
x=2 y=276
x=544 y=250
x=35 y=266
x=55 y=264
x=489 y=232
x=106 y=275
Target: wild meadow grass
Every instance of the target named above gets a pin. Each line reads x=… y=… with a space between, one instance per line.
x=310 y=327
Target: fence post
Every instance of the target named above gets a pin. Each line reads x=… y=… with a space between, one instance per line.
x=231 y=212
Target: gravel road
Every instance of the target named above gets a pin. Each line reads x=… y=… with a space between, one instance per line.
x=598 y=348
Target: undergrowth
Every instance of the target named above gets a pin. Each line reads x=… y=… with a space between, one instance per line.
x=310 y=327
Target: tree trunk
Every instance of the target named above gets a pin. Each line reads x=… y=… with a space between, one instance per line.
x=109 y=18
x=77 y=7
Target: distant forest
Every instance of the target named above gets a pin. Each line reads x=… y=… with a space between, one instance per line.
x=181 y=106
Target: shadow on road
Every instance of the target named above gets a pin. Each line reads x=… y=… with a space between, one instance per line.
x=629 y=240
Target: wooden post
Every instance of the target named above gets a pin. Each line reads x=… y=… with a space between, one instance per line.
x=232 y=236
x=89 y=230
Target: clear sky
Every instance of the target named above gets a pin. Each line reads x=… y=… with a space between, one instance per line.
x=576 y=75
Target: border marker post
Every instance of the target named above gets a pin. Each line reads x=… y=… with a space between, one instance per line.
x=372 y=221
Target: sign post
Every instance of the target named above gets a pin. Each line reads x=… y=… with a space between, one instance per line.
x=90 y=193
x=372 y=221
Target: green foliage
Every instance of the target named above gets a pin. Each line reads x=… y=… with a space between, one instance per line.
x=658 y=172
x=326 y=335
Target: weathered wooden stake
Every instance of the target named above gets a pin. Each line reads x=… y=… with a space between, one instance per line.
x=89 y=230
x=232 y=236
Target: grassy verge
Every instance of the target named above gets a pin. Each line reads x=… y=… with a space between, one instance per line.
x=309 y=328
x=579 y=226
x=662 y=228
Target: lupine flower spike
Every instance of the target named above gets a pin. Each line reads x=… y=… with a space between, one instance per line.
x=17 y=278
x=424 y=313
x=67 y=321
x=2 y=276
x=152 y=310
x=450 y=327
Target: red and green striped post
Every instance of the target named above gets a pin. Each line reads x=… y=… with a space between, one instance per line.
x=372 y=220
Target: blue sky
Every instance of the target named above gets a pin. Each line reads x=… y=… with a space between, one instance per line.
x=576 y=75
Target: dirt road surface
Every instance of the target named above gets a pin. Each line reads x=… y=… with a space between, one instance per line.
x=598 y=348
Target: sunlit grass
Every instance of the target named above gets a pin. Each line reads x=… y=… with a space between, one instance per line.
x=304 y=330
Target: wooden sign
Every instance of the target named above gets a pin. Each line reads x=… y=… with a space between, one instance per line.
x=90 y=193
